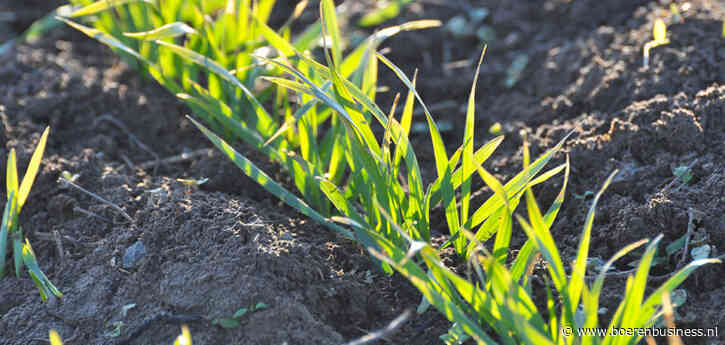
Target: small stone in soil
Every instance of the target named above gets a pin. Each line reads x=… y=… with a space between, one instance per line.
x=286 y=237
x=133 y=255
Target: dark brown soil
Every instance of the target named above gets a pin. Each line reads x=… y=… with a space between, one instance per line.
x=229 y=245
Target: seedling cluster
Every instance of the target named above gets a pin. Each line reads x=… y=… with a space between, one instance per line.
x=321 y=128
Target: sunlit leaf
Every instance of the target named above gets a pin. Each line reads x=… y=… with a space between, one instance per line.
x=54 y=338
x=659 y=31
x=166 y=31
x=104 y=5
x=32 y=170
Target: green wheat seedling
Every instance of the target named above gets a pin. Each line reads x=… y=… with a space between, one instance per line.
x=499 y=297
x=659 y=35
x=210 y=54
x=11 y=230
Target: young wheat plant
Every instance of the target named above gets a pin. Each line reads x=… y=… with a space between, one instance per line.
x=10 y=228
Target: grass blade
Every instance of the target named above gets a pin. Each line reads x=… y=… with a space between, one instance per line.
x=406 y=121
x=553 y=211
x=545 y=245
x=503 y=238
x=356 y=58
x=467 y=161
x=167 y=31
x=32 y=170
x=338 y=199
x=284 y=47
x=263 y=8
x=104 y=5
x=4 y=231
x=16 y=237
x=108 y=40
x=332 y=29
x=11 y=180
x=576 y=283
x=45 y=287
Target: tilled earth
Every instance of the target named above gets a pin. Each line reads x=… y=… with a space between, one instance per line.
x=228 y=245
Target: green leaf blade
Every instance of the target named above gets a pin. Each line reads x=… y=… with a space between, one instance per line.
x=11 y=181
x=170 y=30
x=576 y=283
x=104 y=5
x=32 y=170
x=4 y=233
